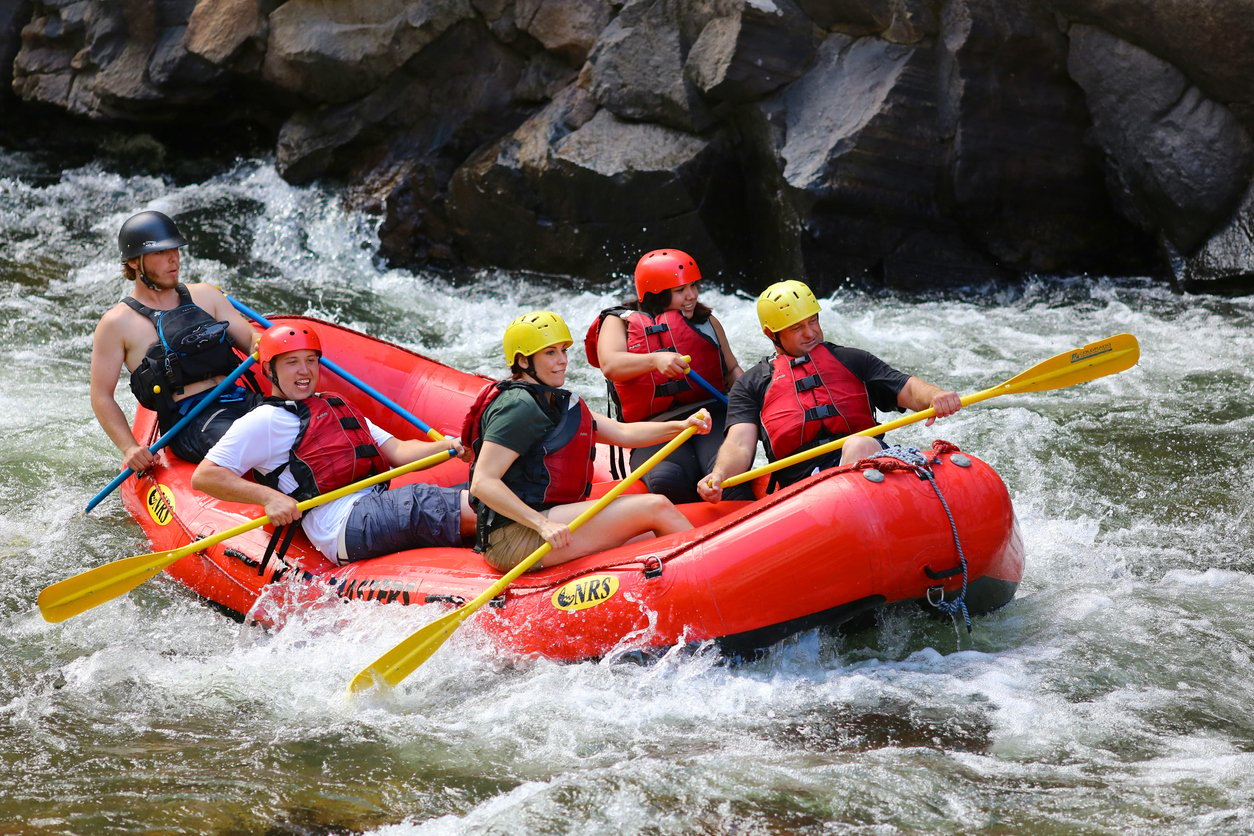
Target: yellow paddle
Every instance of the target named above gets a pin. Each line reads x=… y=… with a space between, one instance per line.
x=1080 y=365
x=404 y=659
x=80 y=593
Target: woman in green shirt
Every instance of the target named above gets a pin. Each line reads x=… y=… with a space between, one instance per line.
x=534 y=444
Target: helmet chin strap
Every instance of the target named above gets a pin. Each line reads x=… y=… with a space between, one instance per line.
x=143 y=277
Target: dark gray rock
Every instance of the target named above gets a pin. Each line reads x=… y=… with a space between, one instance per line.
x=1212 y=43
x=229 y=33
x=915 y=143
x=1225 y=263
x=590 y=193
x=1024 y=181
x=567 y=28
x=340 y=51
x=896 y=21
x=1179 y=162
x=13 y=16
x=636 y=69
x=753 y=51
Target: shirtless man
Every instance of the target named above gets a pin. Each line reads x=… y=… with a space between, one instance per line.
x=175 y=340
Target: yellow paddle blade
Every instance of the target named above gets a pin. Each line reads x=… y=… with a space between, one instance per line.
x=399 y=662
x=67 y=598
x=1079 y=365
x=393 y=666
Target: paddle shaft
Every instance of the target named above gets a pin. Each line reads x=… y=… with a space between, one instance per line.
x=210 y=397
x=719 y=396
x=432 y=433
x=705 y=384
x=1080 y=365
x=88 y=589
x=831 y=446
x=404 y=659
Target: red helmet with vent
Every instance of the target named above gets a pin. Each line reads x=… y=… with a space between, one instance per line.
x=661 y=270
x=280 y=339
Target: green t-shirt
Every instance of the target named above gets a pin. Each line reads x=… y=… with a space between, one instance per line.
x=515 y=421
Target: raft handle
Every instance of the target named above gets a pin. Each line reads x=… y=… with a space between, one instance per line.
x=455 y=600
x=652 y=566
x=947 y=573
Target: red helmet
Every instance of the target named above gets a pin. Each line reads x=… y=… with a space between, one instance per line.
x=280 y=339
x=664 y=269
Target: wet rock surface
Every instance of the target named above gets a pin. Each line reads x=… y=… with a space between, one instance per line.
x=911 y=143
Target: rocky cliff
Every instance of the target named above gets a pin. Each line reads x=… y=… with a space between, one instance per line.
x=913 y=143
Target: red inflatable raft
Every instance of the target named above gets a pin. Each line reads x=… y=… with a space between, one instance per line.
x=821 y=552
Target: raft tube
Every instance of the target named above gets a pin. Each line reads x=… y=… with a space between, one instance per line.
x=823 y=551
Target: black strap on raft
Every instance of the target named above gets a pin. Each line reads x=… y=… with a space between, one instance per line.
x=918 y=462
x=284 y=531
x=618 y=458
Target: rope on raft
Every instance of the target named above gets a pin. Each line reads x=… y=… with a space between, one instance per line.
x=913 y=458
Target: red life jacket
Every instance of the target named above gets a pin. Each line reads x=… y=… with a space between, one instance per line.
x=333 y=448
x=557 y=470
x=647 y=395
x=813 y=399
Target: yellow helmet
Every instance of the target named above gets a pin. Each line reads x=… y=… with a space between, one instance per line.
x=786 y=303
x=533 y=332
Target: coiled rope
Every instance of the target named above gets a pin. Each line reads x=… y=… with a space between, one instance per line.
x=916 y=461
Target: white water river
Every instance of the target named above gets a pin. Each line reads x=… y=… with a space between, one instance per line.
x=1112 y=696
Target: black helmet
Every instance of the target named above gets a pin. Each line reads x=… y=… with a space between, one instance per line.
x=148 y=232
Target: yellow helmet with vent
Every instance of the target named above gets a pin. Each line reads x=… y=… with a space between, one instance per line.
x=786 y=303
x=534 y=332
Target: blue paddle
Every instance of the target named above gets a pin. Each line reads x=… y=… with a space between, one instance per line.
x=211 y=397
x=433 y=434
x=719 y=396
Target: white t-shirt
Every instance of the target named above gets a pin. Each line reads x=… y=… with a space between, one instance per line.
x=262 y=440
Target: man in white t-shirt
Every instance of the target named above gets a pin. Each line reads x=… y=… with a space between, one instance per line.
x=301 y=444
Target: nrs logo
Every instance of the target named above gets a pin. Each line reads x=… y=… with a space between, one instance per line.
x=160 y=503
x=1093 y=351
x=585 y=592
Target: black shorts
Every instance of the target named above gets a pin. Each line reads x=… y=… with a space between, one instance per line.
x=194 y=441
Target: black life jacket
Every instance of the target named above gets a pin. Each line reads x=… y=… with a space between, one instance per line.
x=333 y=448
x=191 y=346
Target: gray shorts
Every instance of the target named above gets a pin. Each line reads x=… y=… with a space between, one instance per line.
x=409 y=517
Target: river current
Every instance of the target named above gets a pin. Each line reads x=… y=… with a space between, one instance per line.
x=1112 y=696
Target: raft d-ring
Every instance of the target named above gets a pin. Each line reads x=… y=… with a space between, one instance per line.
x=936 y=595
x=873 y=475
x=960 y=459
x=652 y=566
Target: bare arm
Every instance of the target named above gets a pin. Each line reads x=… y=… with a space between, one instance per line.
x=735 y=456
x=617 y=363
x=729 y=358
x=399 y=452
x=217 y=481
x=108 y=352
x=645 y=433
x=488 y=487
x=918 y=395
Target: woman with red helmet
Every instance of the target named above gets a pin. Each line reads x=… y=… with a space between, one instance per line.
x=640 y=347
